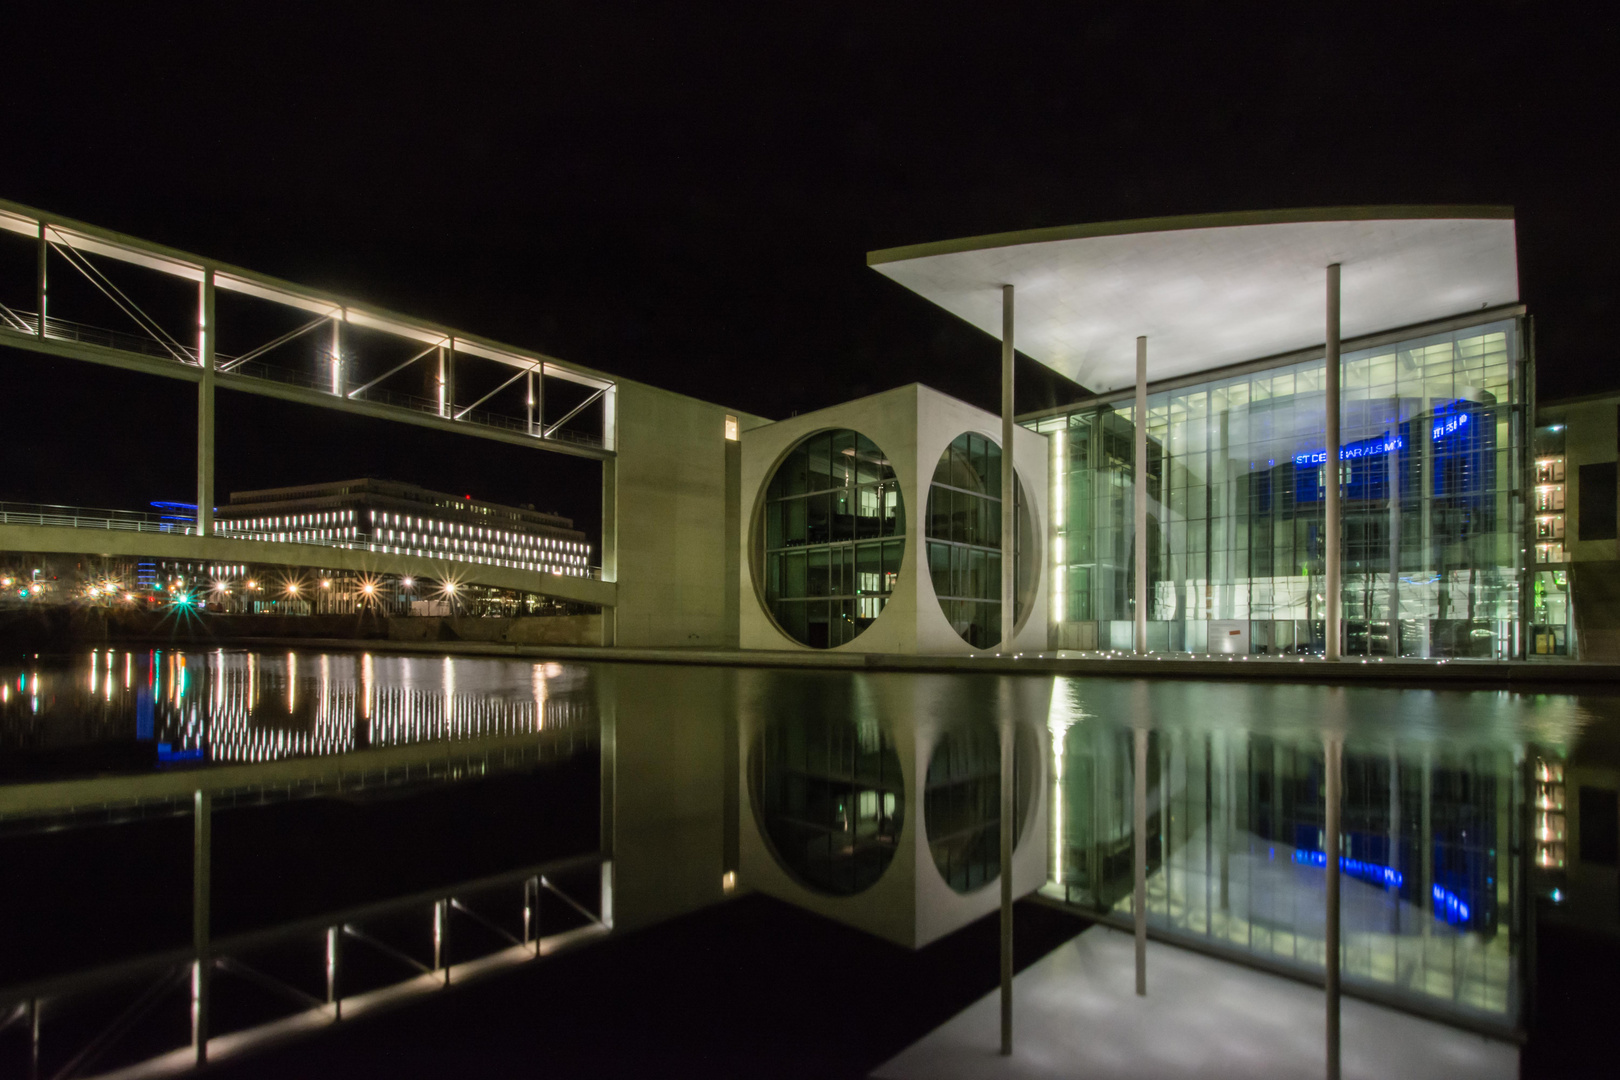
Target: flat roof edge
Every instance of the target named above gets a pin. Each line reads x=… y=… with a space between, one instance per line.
x=1188 y=222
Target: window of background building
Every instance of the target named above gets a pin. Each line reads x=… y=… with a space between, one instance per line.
x=1597 y=498
x=833 y=533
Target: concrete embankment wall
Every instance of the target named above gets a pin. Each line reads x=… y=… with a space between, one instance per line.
x=65 y=628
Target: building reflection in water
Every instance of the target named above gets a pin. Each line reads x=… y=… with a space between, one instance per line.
x=228 y=706
x=1433 y=852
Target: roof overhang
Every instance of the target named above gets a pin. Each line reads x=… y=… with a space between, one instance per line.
x=1216 y=289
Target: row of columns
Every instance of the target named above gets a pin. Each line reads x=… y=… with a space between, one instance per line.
x=1331 y=488
x=1333 y=748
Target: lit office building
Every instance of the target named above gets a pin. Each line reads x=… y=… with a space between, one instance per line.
x=409 y=520
x=1189 y=490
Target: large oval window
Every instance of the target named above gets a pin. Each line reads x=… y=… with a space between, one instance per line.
x=964 y=540
x=831 y=535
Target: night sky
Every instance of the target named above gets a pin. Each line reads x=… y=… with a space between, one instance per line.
x=685 y=194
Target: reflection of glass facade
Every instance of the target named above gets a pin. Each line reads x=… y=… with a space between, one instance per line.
x=830 y=797
x=1429 y=859
x=1431 y=462
x=962 y=804
x=833 y=532
x=964 y=539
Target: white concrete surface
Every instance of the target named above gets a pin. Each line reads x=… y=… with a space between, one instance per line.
x=1076 y=1015
x=1214 y=289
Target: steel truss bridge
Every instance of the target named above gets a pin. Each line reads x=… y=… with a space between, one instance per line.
x=297 y=344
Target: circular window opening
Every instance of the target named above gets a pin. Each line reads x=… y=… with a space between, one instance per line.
x=831 y=537
x=963 y=530
x=830 y=799
x=962 y=803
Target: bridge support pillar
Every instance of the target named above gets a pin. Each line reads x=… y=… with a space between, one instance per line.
x=205 y=406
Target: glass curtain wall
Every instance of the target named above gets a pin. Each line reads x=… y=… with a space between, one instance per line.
x=1431 y=463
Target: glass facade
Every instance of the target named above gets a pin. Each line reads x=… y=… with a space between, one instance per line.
x=1432 y=471
x=963 y=530
x=832 y=535
x=831 y=799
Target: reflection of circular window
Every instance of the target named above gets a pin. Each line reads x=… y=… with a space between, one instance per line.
x=830 y=538
x=963 y=527
x=962 y=803
x=830 y=798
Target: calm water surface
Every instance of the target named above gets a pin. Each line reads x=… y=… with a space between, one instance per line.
x=1454 y=812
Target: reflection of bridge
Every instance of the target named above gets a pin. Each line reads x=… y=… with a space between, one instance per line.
x=72 y=530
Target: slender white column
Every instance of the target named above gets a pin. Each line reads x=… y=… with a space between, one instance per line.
x=205 y=405
x=1139 y=829
x=40 y=280
x=1331 y=542
x=1009 y=482
x=1332 y=757
x=338 y=387
x=1139 y=594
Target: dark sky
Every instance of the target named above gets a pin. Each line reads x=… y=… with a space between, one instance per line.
x=685 y=194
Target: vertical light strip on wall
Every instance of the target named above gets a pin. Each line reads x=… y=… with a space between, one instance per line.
x=1060 y=477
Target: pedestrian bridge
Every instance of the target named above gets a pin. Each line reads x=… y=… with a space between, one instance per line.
x=79 y=531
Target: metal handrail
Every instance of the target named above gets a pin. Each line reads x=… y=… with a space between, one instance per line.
x=57 y=329
x=135 y=521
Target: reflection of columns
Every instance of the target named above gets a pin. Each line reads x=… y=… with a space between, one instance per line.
x=1139 y=828
x=1009 y=482
x=1008 y=809
x=1139 y=594
x=1333 y=752
x=201 y=873
x=1330 y=468
x=205 y=405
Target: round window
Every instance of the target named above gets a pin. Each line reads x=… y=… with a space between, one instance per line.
x=963 y=530
x=831 y=536
x=830 y=799
x=962 y=803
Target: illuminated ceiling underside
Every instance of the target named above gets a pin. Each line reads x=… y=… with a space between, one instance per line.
x=1215 y=289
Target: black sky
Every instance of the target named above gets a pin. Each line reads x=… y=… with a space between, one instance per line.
x=685 y=194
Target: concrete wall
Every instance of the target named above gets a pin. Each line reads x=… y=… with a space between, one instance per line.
x=912 y=425
x=668 y=492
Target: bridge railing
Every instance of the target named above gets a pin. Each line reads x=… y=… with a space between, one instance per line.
x=75 y=517
x=66 y=330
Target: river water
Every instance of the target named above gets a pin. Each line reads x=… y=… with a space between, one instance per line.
x=1457 y=803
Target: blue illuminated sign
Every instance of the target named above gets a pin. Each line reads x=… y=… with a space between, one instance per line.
x=1449 y=906
x=1366 y=871
x=1366 y=448
x=1447 y=426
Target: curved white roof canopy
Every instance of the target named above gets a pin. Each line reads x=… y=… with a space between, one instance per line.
x=1215 y=289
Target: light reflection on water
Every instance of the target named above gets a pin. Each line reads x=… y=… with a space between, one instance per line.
x=1452 y=813
x=227 y=706
x=1439 y=837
